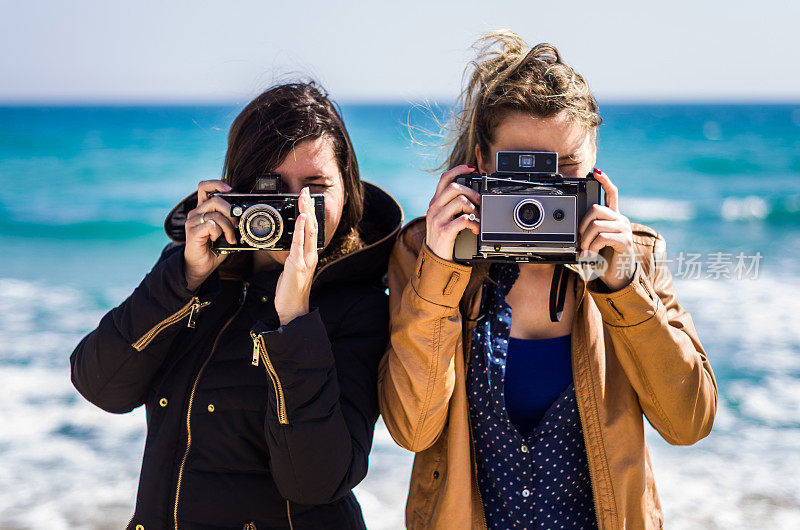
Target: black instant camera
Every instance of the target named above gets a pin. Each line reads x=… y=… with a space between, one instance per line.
x=528 y=212
x=267 y=216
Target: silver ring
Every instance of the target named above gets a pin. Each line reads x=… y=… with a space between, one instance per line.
x=202 y=218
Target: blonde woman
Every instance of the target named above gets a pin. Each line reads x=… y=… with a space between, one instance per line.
x=518 y=419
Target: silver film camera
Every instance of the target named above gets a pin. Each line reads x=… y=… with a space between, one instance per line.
x=267 y=216
x=528 y=212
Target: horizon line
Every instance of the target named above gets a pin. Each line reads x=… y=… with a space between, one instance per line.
x=102 y=101
x=376 y=102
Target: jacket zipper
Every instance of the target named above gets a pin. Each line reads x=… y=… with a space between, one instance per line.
x=191 y=401
x=617 y=311
x=289 y=515
x=260 y=350
x=191 y=309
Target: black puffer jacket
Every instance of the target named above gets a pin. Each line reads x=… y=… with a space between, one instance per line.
x=249 y=424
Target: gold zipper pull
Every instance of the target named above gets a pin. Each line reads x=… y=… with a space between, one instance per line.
x=195 y=307
x=254 y=362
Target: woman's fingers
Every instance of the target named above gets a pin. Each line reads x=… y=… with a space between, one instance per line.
x=214 y=218
x=453 y=227
x=218 y=209
x=597 y=211
x=617 y=241
x=449 y=175
x=453 y=190
x=310 y=243
x=598 y=226
x=207 y=186
x=448 y=212
x=296 y=251
x=611 y=191
x=215 y=203
x=455 y=207
x=199 y=234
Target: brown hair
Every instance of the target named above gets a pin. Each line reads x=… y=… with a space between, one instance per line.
x=266 y=131
x=507 y=76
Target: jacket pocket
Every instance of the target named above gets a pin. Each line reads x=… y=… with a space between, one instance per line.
x=191 y=308
x=260 y=352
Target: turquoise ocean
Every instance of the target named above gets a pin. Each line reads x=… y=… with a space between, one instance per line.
x=84 y=192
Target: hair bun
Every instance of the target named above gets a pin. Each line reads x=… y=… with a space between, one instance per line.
x=544 y=52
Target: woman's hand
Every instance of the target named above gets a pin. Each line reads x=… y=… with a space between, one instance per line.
x=449 y=211
x=294 y=283
x=208 y=221
x=607 y=233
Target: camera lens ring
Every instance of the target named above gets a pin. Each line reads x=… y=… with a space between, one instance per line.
x=518 y=213
x=261 y=226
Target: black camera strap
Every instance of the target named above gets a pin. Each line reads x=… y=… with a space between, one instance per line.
x=558 y=292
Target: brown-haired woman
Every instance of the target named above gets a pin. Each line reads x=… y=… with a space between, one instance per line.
x=531 y=421
x=257 y=369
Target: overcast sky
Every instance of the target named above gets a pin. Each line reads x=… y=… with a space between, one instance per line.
x=227 y=51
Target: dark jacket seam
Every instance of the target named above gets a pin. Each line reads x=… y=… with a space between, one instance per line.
x=435 y=346
x=622 y=326
x=429 y=301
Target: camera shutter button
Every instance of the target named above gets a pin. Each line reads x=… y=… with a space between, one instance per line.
x=237 y=210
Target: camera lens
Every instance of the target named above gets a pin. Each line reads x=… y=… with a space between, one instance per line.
x=528 y=214
x=558 y=215
x=261 y=226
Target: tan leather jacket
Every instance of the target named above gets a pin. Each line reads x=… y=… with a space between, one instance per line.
x=635 y=354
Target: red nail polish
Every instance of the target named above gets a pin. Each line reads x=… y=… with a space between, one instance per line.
x=598 y=171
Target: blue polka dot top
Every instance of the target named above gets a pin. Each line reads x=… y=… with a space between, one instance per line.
x=532 y=472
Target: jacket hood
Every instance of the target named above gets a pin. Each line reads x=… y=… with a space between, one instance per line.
x=379 y=226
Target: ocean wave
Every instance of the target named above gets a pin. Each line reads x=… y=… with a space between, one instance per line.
x=649 y=210
x=39 y=321
x=731 y=209
x=84 y=230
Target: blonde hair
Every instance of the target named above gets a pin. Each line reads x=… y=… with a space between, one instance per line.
x=507 y=76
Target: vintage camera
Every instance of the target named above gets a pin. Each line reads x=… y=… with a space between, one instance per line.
x=528 y=212
x=267 y=216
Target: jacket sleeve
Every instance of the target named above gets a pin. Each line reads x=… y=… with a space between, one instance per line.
x=417 y=374
x=658 y=347
x=322 y=403
x=114 y=364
